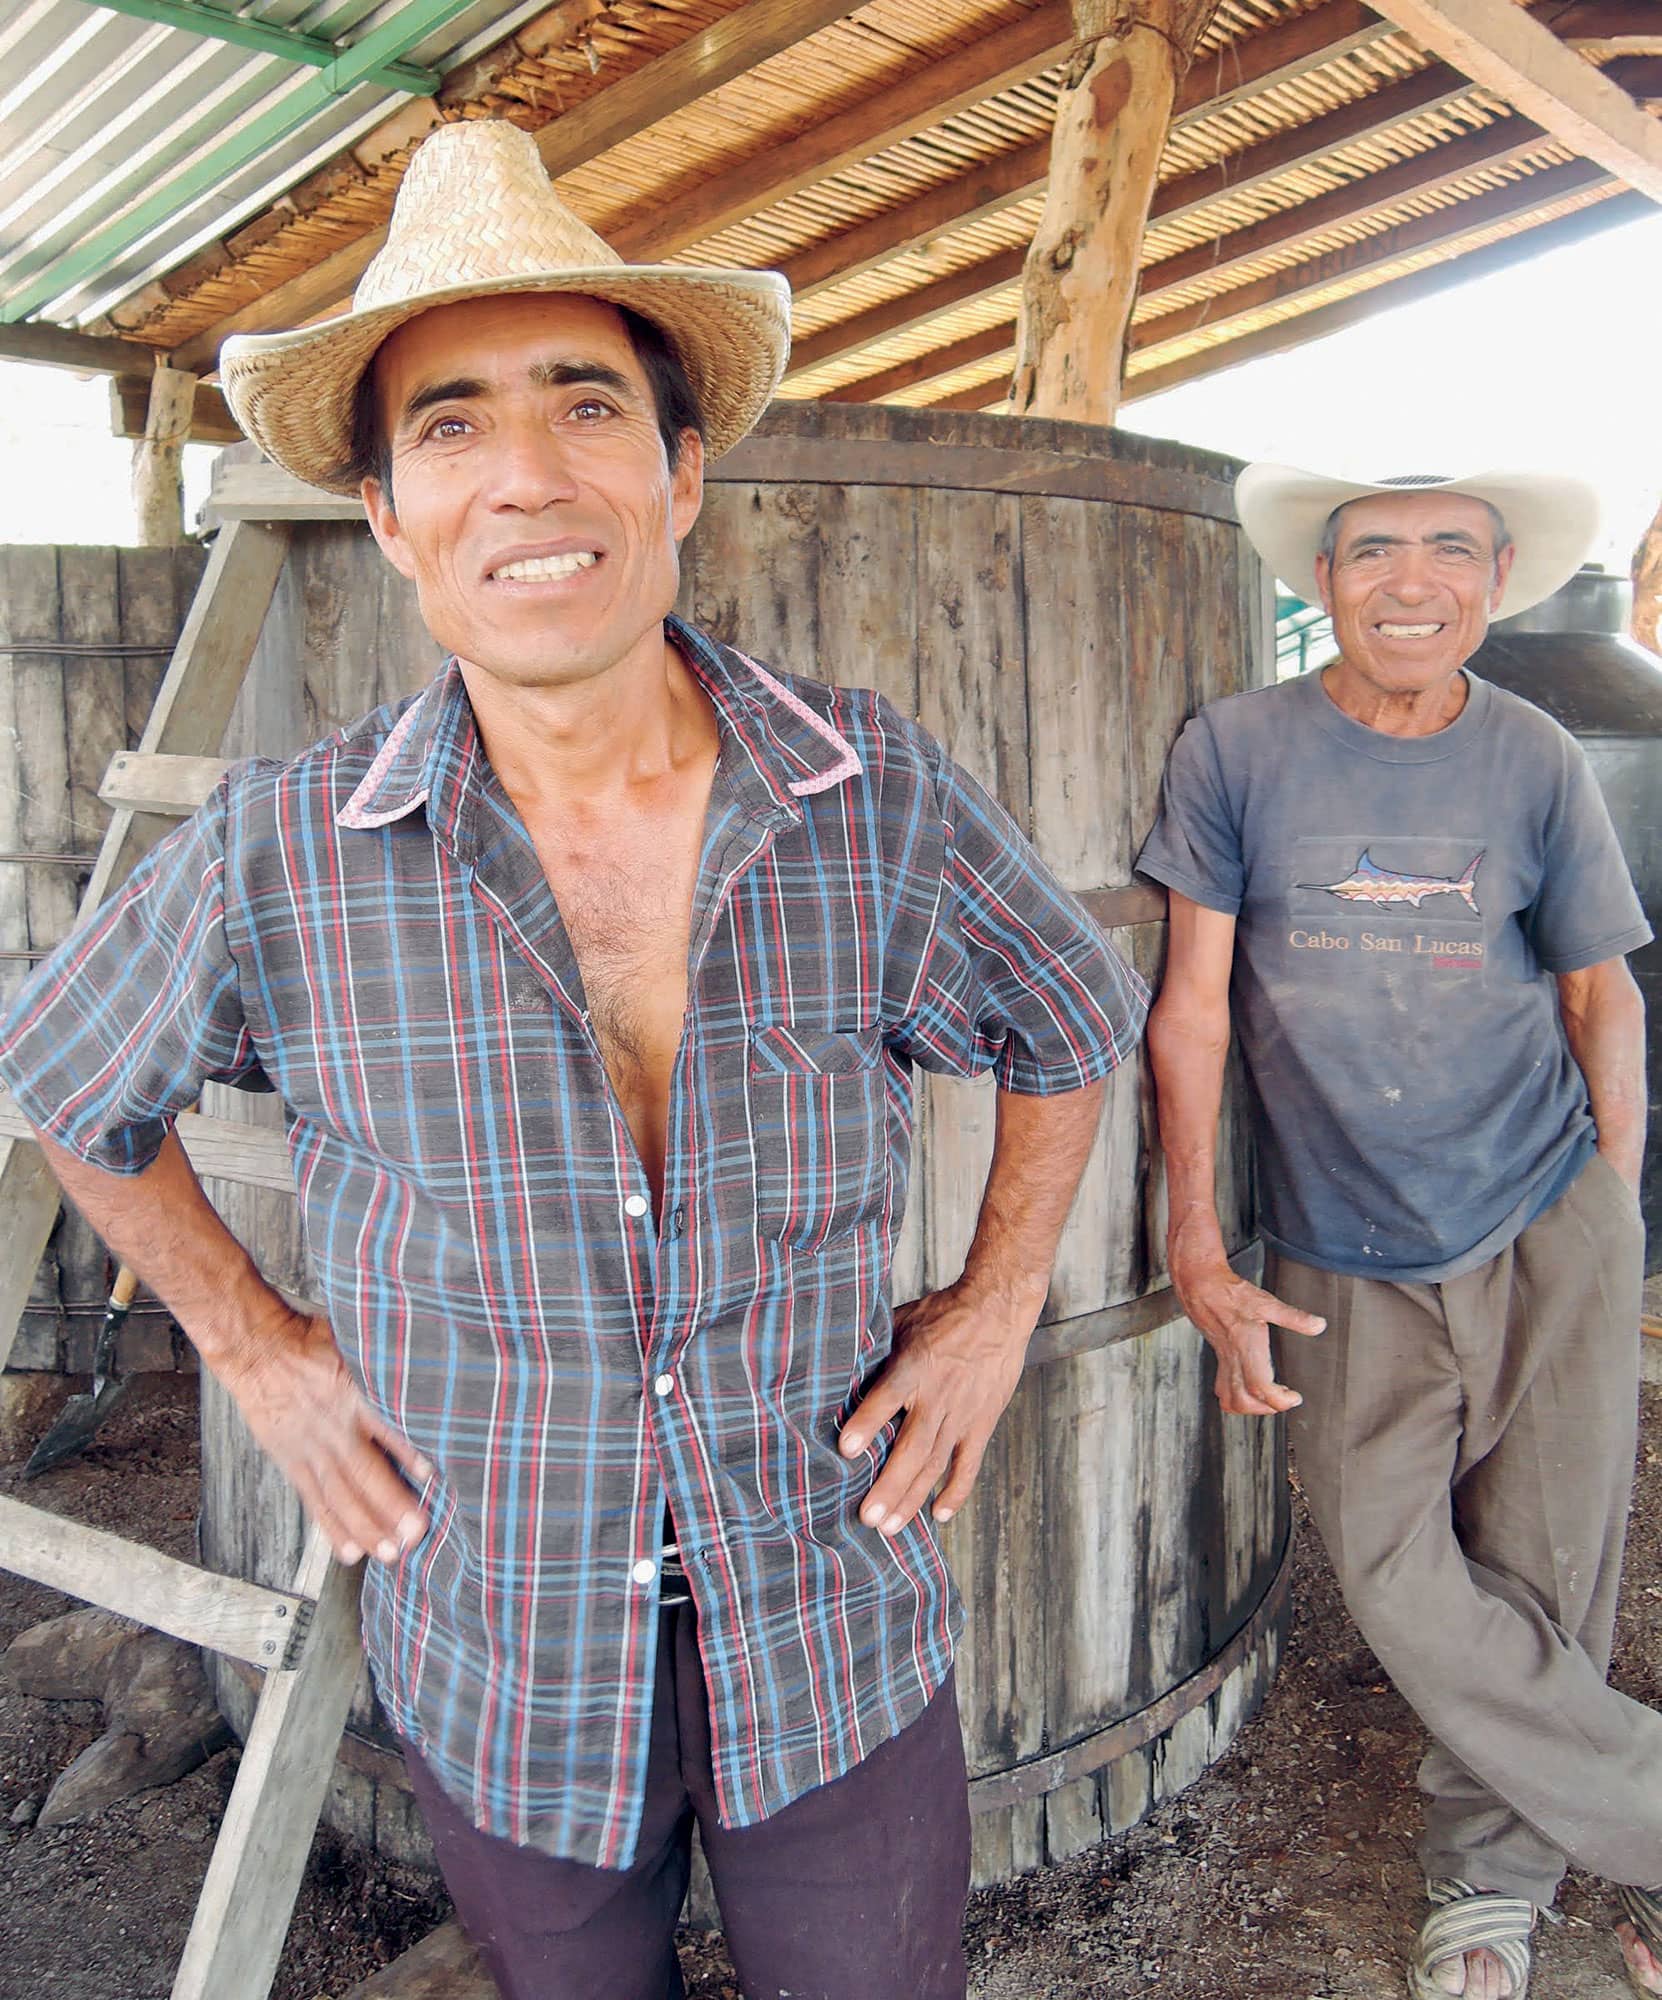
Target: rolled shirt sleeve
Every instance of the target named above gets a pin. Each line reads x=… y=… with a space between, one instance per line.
x=117 y=1031
x=1018 y=978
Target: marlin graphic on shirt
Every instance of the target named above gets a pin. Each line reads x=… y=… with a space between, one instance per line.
x=1367 y=882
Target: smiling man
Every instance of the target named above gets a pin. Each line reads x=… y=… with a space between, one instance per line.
x=1400 y=887
x=593 y=980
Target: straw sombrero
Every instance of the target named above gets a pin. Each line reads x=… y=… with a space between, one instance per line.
x=1552 y=518
x=476 y=215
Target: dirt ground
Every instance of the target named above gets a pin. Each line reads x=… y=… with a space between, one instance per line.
x=1286 y=1873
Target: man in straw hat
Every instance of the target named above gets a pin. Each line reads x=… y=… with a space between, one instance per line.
x=593 y=979
x=1399 y=885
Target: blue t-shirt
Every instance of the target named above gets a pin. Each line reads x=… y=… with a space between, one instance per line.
x=1403 y=905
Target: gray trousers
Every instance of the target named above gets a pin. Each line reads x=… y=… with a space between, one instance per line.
x=1467 y=1452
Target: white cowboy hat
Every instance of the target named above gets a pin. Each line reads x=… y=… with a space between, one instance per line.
x=1552 y=518
x=477 y=215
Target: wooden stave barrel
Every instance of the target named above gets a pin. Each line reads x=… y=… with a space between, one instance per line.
x=1052 y=600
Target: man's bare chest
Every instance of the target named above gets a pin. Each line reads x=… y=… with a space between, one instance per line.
x=625 y=897
x=628 y=918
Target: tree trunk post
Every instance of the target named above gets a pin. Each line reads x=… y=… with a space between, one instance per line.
x=158 y=458
x=1646 y=624
x=1080 y=280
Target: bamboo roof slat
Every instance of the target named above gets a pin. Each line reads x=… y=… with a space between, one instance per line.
x=833 y=73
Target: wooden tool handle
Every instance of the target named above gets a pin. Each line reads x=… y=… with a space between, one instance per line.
x=121 y=1292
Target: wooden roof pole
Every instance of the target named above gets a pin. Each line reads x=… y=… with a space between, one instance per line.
x=1080 y=278
x=158 y=458
x=1646 y=622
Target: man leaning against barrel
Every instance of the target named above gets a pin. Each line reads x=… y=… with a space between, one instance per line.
x=1399 y=886
x=593 y=980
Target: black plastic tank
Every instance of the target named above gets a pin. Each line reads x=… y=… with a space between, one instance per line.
x=1570 y=656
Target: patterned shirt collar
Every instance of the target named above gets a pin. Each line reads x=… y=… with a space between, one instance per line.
x=774 y=748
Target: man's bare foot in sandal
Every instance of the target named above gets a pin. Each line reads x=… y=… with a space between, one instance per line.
x=1474 y=1944
x=1478 y=1975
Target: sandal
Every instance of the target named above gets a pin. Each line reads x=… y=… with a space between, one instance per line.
x=1642 y=1908
x=1465 y=1919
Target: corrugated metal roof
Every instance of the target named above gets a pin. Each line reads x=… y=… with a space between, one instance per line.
x=99 y=111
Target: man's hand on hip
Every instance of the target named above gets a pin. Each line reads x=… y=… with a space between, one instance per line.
x=953 y=1367
x=346 y=1463
x=1236 y=1317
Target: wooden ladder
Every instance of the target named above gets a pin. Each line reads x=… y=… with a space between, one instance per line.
x=306 y=1638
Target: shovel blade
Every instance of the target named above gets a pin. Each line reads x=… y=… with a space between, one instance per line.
x=77 y=1422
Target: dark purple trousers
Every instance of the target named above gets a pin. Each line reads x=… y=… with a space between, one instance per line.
x=855 y=1889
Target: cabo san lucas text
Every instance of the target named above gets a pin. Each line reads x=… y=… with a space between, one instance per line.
x=1418 y=944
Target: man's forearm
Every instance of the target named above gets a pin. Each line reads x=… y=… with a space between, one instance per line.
x=161 y=1225
x=1188 y=1052
x=1039 y=1152
x=1604 y=1023
x=958 y=1352
x=352 y=1470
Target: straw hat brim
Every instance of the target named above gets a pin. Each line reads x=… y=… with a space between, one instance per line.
x=1552 y=517
x=293 y=393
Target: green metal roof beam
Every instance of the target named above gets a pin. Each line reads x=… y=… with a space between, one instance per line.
x=288 y=44
x=355 y=65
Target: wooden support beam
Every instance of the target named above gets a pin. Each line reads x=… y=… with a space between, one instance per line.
x=715 y=55
x=211 y=420
x=159 y=459
x=1080 y=280
x=220 y=1612
x=1498 y=45
x=1443 y=226
x=83 y=353
x=933 y=93
x=1156 y=376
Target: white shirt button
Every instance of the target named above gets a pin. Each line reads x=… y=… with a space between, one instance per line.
x=663 y=1384
x=643 y=1572
x=637 y=1204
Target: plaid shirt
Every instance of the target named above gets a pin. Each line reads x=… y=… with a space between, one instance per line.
x=369 y=929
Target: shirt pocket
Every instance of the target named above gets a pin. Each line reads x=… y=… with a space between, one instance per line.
x=818 y=1121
